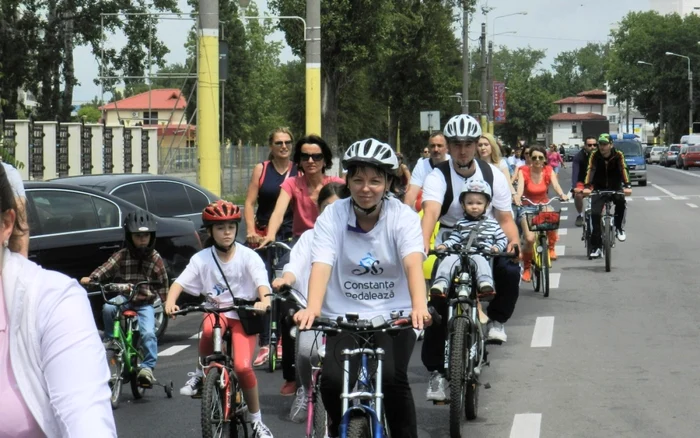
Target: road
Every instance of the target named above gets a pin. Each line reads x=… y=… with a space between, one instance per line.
x=617 y=354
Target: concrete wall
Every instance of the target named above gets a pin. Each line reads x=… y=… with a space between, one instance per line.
x=42 y=147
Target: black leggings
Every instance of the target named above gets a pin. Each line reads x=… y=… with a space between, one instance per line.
x=398 y=398
x=597 y=204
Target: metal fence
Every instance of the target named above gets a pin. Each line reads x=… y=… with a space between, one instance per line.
x=237 y=164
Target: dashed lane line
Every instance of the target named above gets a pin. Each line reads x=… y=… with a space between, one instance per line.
x=526 y=426
x=171 y=351
x=563 y=231
x=554 y=278
x=560 y=250
x=691 y=205
x=543 y=333
x=663 y=190
x=652 y=198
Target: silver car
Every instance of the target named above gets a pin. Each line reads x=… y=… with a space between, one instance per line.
x=655 y=155
x=670 y=156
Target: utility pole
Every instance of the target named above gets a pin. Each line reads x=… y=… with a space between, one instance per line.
x=484 y=80
x=208 y=145
x=465 y=57
x=489 y=81
x=313 y=67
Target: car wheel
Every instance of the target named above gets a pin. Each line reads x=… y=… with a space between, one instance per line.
x=642 y=183
x=161 y=318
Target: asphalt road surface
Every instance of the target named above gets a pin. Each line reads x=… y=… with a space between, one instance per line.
x=606 y=355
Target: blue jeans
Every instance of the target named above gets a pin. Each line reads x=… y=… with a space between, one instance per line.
x=147 y=328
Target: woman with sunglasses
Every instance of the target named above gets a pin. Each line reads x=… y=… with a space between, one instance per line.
x=534 y=182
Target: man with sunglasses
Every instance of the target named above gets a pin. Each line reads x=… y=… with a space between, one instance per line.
x=437 y=153
x=579 y=168
x=607 y=170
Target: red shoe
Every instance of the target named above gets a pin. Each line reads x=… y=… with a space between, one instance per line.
x=263 y=355
x=289 y=389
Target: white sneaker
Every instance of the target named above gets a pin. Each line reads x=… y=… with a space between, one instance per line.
x=439 y=287
x=261 y=431
x=621 y=236
x=437 y=387
x=300 y=406
x=496 y=332
x=194 y=385
x=597 y=254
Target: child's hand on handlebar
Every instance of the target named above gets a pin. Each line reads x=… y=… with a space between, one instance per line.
x=278 y=283
x=170 y=309
x=262 y=306
x=85 y=280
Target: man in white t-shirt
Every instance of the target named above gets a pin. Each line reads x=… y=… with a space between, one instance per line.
x=438 y=153
x=462 y=133
x=15 y=179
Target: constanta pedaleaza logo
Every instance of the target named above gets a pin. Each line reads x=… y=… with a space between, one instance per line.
x=368 y=265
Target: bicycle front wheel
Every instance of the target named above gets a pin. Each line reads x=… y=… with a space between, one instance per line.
x=212 y=416
x=544 y=259
x=115 y=361
x=358 y=427
x=457 y=375
x=607 y=243
x=320 y=424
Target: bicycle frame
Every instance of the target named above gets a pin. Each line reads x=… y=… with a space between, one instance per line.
x=221 y=361
x=126 y=340
x=311 y=392
x=464 y=303
x=365 y=393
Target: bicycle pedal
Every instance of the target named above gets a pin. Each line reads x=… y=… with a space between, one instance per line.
x=487 y=385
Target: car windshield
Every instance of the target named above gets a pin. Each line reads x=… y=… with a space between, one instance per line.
x=629 y=148
x=675 y=148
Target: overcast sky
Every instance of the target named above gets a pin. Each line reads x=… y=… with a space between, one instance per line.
x=550 y=25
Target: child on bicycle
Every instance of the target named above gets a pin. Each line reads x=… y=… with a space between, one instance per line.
x=475 y=199
x=138 y=262
x=225 y=270
x=296 y=274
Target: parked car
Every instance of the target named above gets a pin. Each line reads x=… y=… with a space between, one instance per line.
x=570 y=152
x=670 y=155
x=691 y=157
x=634 y=158
x=75 y=229
x=647 y=152
x=164 y=196
x=655 y=155
x=681 y=154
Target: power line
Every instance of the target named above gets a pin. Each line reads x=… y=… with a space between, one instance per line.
x=555 y=39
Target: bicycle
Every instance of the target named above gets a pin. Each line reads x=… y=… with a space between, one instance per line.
x=540 y=222
x=366 y=417
x=465 y=333
x=607 y=230
x=316 y=424
x=273 y=257
x=223 y=411
x=124 y=351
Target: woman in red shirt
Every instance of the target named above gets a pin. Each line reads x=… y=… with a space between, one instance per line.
x=533 y=183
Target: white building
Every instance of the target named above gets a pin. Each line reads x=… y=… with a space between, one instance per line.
x=566 y=125
x=681 y=7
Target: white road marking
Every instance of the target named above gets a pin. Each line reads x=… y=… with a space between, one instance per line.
x=196 y=336
x=564 y=218
x=563 y=231
x=175 y=349
x=544 y=330
x=652 y=198
x=526 y=426
x=691 y=205
x=554 y=280
x=679 y=198
x=560 y=249
x=685 y=172
x=629 y=198
x=661 y=189
x=565 y=209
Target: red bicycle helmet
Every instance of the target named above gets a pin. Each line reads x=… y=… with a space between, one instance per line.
x=221 y=211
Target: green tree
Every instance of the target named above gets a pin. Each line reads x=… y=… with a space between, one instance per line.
x=579 y=70
x=90 y=112
x=353 y=33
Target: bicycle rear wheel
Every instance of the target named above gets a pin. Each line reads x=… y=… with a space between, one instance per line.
x=457 y=375
x=607 y=243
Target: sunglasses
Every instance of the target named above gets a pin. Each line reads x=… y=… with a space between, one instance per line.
x=280 y=143
x=537 y=158
x=316 y=157
x=591 y=145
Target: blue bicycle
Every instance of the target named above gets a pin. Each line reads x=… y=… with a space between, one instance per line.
x=363 y=413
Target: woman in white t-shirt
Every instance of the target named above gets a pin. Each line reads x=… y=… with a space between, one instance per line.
x=245 y=279
x=367 y=259
x=296 y=274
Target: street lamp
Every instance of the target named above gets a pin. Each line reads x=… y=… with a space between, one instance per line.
x=690 y=90
x=645 y=63
x=493 y=25
x=511 y=32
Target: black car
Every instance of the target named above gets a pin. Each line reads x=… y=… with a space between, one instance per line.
x=164 y=196
x=74 y=229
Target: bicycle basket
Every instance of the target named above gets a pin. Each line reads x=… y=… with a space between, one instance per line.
x=543 y=220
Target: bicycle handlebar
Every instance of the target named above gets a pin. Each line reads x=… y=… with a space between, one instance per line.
x=540 y=204
x=481 y=248
x=276 y=244
x=119 y=288
x=207 y=308
x=377 y=324
x=288 y=293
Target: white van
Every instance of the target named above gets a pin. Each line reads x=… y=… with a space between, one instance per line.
x=691 y=139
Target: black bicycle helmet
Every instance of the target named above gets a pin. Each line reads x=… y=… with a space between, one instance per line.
x=140 y=221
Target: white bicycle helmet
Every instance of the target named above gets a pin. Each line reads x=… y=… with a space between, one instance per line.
x=373 y=152
x=476 y=186
x=462 y=127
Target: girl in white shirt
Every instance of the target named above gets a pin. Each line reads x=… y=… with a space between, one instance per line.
x=246 y=279
x=367 y=259
x=296 y=274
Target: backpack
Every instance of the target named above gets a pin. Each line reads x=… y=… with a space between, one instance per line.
x=444 y=167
